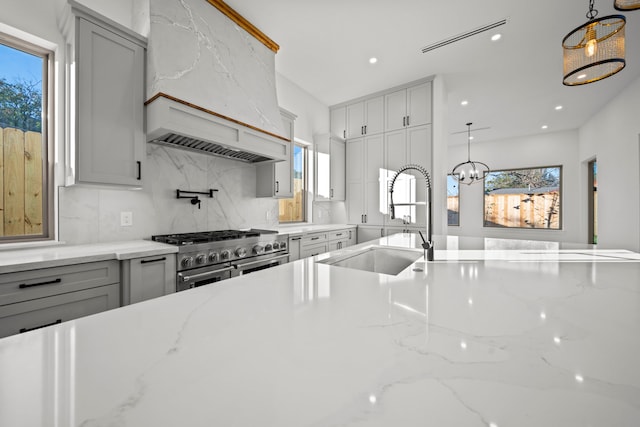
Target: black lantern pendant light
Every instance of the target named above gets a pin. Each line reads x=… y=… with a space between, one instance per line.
x=472 y=170
x=626 y=4
x=595 y=50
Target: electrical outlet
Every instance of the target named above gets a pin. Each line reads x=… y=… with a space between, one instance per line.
x=126 y=219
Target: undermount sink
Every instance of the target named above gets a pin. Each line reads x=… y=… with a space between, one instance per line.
x=376 y=259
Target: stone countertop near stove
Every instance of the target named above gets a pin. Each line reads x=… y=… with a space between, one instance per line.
x=59 y=255
x=527 y=340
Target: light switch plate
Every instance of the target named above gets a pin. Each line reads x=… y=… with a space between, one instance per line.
x=126 y=219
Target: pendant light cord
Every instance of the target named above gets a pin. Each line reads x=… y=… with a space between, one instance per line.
x=592 y=12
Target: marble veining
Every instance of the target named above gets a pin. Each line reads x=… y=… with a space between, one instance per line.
x=482 y=342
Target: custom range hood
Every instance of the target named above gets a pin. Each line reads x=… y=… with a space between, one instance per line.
x=211 y=83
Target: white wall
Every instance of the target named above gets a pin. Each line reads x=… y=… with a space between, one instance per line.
x=612 y=137
x=550 y=149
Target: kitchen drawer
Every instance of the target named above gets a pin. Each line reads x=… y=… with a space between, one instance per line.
x=313 y=239
x=37 y=313
x=32 y=284
x=338 y=235
x=312 y=250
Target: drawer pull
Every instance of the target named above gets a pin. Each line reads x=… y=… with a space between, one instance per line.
x=147 y=261
x=338 y=234
x=296 y=238
x=315 y=238
x=23 y=330
x=50 y=282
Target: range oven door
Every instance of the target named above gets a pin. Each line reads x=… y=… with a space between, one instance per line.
x=203 y=276
x=259 y=263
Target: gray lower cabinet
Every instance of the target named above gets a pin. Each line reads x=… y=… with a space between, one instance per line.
x=295 y=241
x=36 y=298
x=147 y=278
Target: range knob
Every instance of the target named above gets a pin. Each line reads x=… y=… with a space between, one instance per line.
x=283 y=245
x=226 y=254
x=241 y=252
x=213 y=256
x=201 y=259
x=187 y=262
x=257 y=249
x=276 y=246
x=268 y=247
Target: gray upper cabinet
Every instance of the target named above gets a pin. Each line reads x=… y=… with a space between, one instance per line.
x=109 y=146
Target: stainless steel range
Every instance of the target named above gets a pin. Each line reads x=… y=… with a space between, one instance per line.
x=211 y=256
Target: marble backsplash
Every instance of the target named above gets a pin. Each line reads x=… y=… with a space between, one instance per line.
x=91 y=215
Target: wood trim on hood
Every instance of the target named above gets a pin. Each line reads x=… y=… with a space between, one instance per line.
x=243 y=23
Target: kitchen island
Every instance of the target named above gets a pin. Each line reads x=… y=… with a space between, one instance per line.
x=493 y=333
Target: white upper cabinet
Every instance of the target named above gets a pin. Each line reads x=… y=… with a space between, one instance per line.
x=339 y=122
x=108 y=145
x=408 y=107
x=365 y=117
x=330 y=166
x=276 y=179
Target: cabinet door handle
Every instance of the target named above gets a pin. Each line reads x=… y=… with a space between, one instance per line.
x=296 y=238
x=407 y=120
x=277 y=187
x=23 y=330
x=365 y=129
x=139 y=163
x=331 y=193
x=49 y=282
x=404 y=121
x=315 y=238
x=349 y=234
x=147 y=261
x=344 y=134
x=382 y=232
x=365 y=218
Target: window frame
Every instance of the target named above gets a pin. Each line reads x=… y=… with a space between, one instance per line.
x=305 y=190
x=47 y=132
x=450 y=176
x=560 y=198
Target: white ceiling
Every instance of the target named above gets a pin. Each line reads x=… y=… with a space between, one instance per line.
x=512 y=85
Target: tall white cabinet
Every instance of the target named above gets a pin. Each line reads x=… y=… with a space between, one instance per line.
x=384 y=132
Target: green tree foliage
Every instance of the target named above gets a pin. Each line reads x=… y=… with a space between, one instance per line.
x=21 y=105
x=523 y=178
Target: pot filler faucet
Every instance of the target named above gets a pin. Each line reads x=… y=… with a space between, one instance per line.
x=427 y=244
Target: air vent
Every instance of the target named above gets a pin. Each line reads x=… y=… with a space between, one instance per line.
x=463 y=36
x=172 y=139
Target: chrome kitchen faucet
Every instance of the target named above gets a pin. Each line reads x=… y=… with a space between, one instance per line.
x=427 y=244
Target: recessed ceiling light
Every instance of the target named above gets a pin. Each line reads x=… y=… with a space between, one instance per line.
x=558 y=107
x=496 y=37
x=465 y=102
x=373 y=60
x=545 y=127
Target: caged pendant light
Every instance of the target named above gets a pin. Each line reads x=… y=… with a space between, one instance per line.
x=470 y=171
x=626 y=4
x=595 y=50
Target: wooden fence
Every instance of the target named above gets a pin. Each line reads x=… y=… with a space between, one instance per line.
x=21 y=184
x=540 y=210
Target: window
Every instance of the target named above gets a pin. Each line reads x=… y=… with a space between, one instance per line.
x=25 y=183
x=453 y=201
x=294 y=210
x=523 y=198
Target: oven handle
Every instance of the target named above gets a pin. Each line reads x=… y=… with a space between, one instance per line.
x=205 y=274
x=248 y=264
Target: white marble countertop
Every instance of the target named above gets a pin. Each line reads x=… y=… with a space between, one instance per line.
x=58 y=255
x=478 y=341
